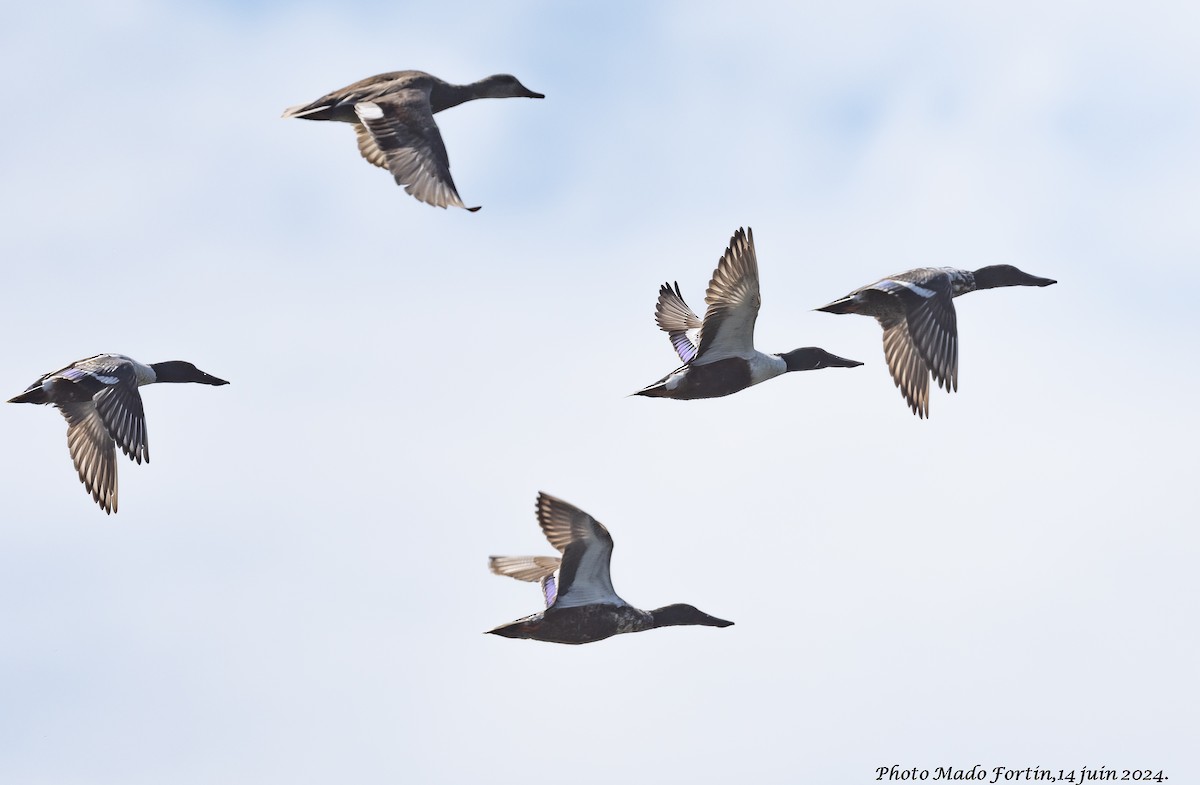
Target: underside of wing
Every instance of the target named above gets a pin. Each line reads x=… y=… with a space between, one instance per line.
x=120 y=408
x=906 y=365
x=399 y=134
x=675 y=318
x=564 y=523
x=367 y=147
x=733 y=301
x=93 y=452
x=524 y=568
x=933 y=327
x=535 y=569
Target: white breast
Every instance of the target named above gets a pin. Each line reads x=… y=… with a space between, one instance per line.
x=144 y=373
x=766 y=366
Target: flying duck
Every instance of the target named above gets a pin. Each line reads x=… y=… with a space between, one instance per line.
x=721 y=358
x=581 y=606
x=100 y=399
x=920 y=329
x=393 y=114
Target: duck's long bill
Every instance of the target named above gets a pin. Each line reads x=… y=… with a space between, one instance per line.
x=834 y=361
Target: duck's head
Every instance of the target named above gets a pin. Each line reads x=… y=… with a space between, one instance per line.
x=1006 y=275
x=677 y=615
x=182 y=371
x=504 y=86
x=810 y=358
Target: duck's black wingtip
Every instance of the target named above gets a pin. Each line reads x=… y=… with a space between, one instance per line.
x=474 y=209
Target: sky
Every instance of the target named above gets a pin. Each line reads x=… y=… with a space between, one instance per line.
x=294 y=590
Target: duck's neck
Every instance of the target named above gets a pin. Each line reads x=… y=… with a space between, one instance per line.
x=766 y=366
x=998 y=275
x=445 y=95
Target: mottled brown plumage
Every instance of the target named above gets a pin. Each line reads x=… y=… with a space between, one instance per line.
x=392 y=115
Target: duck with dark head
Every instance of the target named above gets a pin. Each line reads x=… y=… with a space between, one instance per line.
x=100 y=399
x=920 y=326
x=581 y=605
x=718 y=351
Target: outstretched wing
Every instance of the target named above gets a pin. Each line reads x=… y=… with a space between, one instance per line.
x=120 y=407
x=733 y=300
x=675 y=318
x=586 y=545
x=932 y=321
x=92 y=451
x=397 y=132
x=524 y=568
x=539 y=569
x=906 y=365
x=920 y=337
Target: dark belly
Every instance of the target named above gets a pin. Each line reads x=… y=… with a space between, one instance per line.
x=583 y=624
x=714 y=380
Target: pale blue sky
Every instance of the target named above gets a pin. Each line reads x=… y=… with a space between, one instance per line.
x=294 y=590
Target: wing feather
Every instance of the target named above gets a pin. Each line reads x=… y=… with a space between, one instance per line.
x=524 y=568
x=92 y=451
x=907 y=367
x=583 y=578
x=535 y=569
x=120 y=408
x=733 y=300
x=401 y=136
x=933 y=326
x=675 y=318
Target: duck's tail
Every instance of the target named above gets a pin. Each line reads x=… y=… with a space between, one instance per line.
x=34 y=394
x=656 y=390
x=314 y=111
x=847 y=304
